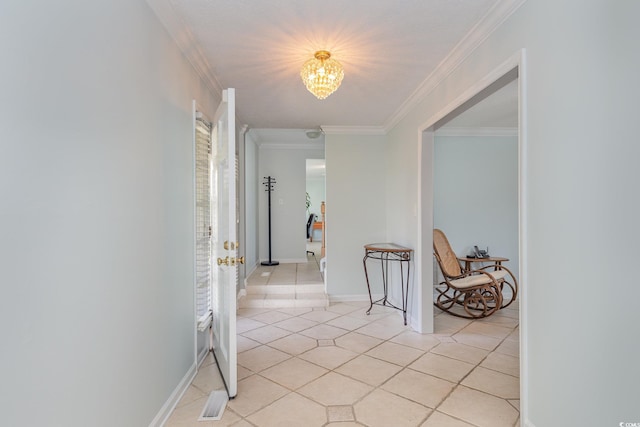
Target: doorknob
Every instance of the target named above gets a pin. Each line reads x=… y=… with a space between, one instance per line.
x=240 y=260
x=224 y=261
x=228 y=246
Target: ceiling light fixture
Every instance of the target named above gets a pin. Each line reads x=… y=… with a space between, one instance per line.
x=314 y=133
x=321 y=74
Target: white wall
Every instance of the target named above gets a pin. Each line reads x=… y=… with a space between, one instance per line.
x=288 y=201
x=355 y=210
x=476 y=194
x=579 y=352
x=252 y=188
x=96 y=217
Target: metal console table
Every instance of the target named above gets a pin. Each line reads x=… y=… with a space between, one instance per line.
x=386 y=252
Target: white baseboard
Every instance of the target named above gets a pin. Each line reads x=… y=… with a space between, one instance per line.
x=528 y=423
x=165 y=412
x=203 y=354
x=347 y=298
x=248 y=272
x=241 y=293
x=413 y=322
x=288 y=260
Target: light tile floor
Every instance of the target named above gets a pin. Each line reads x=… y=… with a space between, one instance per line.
x=287 y=284
x=336 y=366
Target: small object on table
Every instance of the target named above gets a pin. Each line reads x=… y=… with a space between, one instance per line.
x=386 y=252
x=497 y=260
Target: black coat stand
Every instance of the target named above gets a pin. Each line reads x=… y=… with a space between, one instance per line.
x=269 y=182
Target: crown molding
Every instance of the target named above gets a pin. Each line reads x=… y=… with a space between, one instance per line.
x=354 y=130
x=186 y=42
x=477 y=131
x=297 y=146
x=478 y=34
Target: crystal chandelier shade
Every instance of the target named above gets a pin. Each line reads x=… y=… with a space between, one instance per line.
x=322 y=75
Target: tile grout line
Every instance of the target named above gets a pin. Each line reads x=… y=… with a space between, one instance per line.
x=383 y=341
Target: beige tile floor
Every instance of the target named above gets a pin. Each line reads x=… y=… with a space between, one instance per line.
x=287 y=284
x=337 y=366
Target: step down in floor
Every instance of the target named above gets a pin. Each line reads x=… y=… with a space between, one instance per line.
x=284 y=296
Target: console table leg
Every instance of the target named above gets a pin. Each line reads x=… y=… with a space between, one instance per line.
x=366 y=275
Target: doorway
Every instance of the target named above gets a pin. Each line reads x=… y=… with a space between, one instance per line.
x=511 y=71
x=316 y=195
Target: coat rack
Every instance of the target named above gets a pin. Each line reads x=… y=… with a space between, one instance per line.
x=269 y=182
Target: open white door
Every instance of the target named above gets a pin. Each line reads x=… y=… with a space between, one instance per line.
x=224 y=251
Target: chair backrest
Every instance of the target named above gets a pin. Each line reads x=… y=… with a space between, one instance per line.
x=446 y=257
x=310 y=221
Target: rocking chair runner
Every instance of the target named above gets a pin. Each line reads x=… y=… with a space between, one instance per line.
x=478 y=292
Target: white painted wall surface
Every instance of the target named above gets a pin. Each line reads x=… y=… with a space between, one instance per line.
x=476 y=194
x=288 y=202
x=580 y=362
x=96 y=213
x=355 y=211
x=252 y=189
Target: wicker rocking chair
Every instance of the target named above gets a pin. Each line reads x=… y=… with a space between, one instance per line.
x=470 y=294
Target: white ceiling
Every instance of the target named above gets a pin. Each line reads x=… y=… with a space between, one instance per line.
x=388 y=49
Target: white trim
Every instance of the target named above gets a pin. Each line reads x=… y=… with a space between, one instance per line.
x=423 y=254
x=354 y=130
x=291 y=146
x=186 y=42
x=478 y=34
x=477 y=131
x=241 y=294
x=249 y=273
x=353 y=298
x=289 y=260
x=202 y=355
x=193 y=231
x=495 y=74
x=517 y=60
x=523 y=197
x=165 y=412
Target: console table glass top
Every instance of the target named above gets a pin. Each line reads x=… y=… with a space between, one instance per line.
x=386 y=247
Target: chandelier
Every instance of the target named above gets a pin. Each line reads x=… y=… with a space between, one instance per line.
x=322 y=75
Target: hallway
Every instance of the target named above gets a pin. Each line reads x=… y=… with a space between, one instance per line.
x=336 y=366
x=287 y=285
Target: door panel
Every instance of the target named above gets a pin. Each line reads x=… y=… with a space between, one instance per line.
x=224 y=241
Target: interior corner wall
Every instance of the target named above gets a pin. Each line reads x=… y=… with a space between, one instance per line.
x=579 y=155
x=252 y=182
x=355 y=208
x=288 y=201
x=97 y=213
x=476 y=194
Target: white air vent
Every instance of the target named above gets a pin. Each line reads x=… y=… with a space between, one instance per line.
x=214 y=408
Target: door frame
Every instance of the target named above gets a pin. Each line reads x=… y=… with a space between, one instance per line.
x=424 y=270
